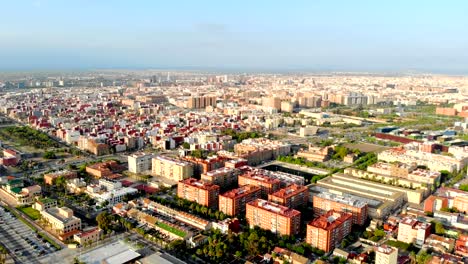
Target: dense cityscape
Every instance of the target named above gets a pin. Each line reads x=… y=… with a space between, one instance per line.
x=233 y=132
x=197 y=167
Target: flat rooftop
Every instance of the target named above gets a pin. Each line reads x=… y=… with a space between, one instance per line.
x=274 y=208
x=172 y=160
x=114 y=253
x=348 y=200
x=241 y=191
x=199 y=184
x=289 y=191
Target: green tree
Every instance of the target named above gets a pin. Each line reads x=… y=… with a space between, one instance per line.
x=104 y=221
x=49 y=155
x=60 y=182
x=439 y=228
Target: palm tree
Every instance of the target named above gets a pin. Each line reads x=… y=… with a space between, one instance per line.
x=412 y=257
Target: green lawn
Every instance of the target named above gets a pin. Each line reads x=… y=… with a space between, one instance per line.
x=30 y=212
x=171 y=229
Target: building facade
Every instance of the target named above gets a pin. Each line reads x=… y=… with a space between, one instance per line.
x=413 y=231
x=274 y=217
x=328 y=230
x=140 y=162
x=325 y=202
x=203 y=193
x=172 y=169
x=293 y=196
x=234 y=201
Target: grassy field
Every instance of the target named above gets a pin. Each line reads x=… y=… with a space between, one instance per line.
x=30 y=212
x=171 y=229
x=27 y=139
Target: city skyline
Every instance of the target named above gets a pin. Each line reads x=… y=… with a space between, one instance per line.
x=299 y=36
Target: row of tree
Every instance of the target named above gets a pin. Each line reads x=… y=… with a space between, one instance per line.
x=29 y=137
x=192 y=207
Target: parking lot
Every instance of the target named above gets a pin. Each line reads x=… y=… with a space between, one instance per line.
x=23 y=243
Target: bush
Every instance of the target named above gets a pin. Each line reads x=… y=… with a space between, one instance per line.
x=49 y=155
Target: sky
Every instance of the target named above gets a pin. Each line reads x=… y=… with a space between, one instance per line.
x=347 y=35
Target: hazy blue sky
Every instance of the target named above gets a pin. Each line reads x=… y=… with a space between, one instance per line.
x=253 y=34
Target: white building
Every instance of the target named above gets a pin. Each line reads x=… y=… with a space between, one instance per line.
x=110 y=191
x=139 y=162
x=386 y=255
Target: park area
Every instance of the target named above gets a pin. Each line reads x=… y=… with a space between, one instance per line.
x=30 y=212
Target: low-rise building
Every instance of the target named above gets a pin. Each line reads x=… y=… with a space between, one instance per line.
x=109 y=191
x=42 y=204
x=76 y=185
x=107 y=169
x=88 y=237
x=439 y=243
x=19 y=194
x=49 y=178
x=62 y=222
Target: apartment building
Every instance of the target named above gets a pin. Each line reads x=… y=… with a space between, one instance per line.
x=267 y=185
x=326 y=201
x=461 y=203
x=274 y=217
x=413 y=231
x=386 y=255
x=62 y=221
x=223 y=177
x=199 y=102
x=286 y=179
x=258 y=150
x=293 y=196
x=328 y=230
x=140 y=162
x=172 y=169
x=203 y=193
x=201 y=166
x=435 y=162
x=405 y=171
x=319 y=154
x=435 y=203
x=233 y=202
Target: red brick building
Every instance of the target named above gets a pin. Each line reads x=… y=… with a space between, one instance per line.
x=324 y=202
x=274 y=217
x=203 y=193
x=266 y=184
x=328 y=230
x=293 y=196
x=233 y=202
